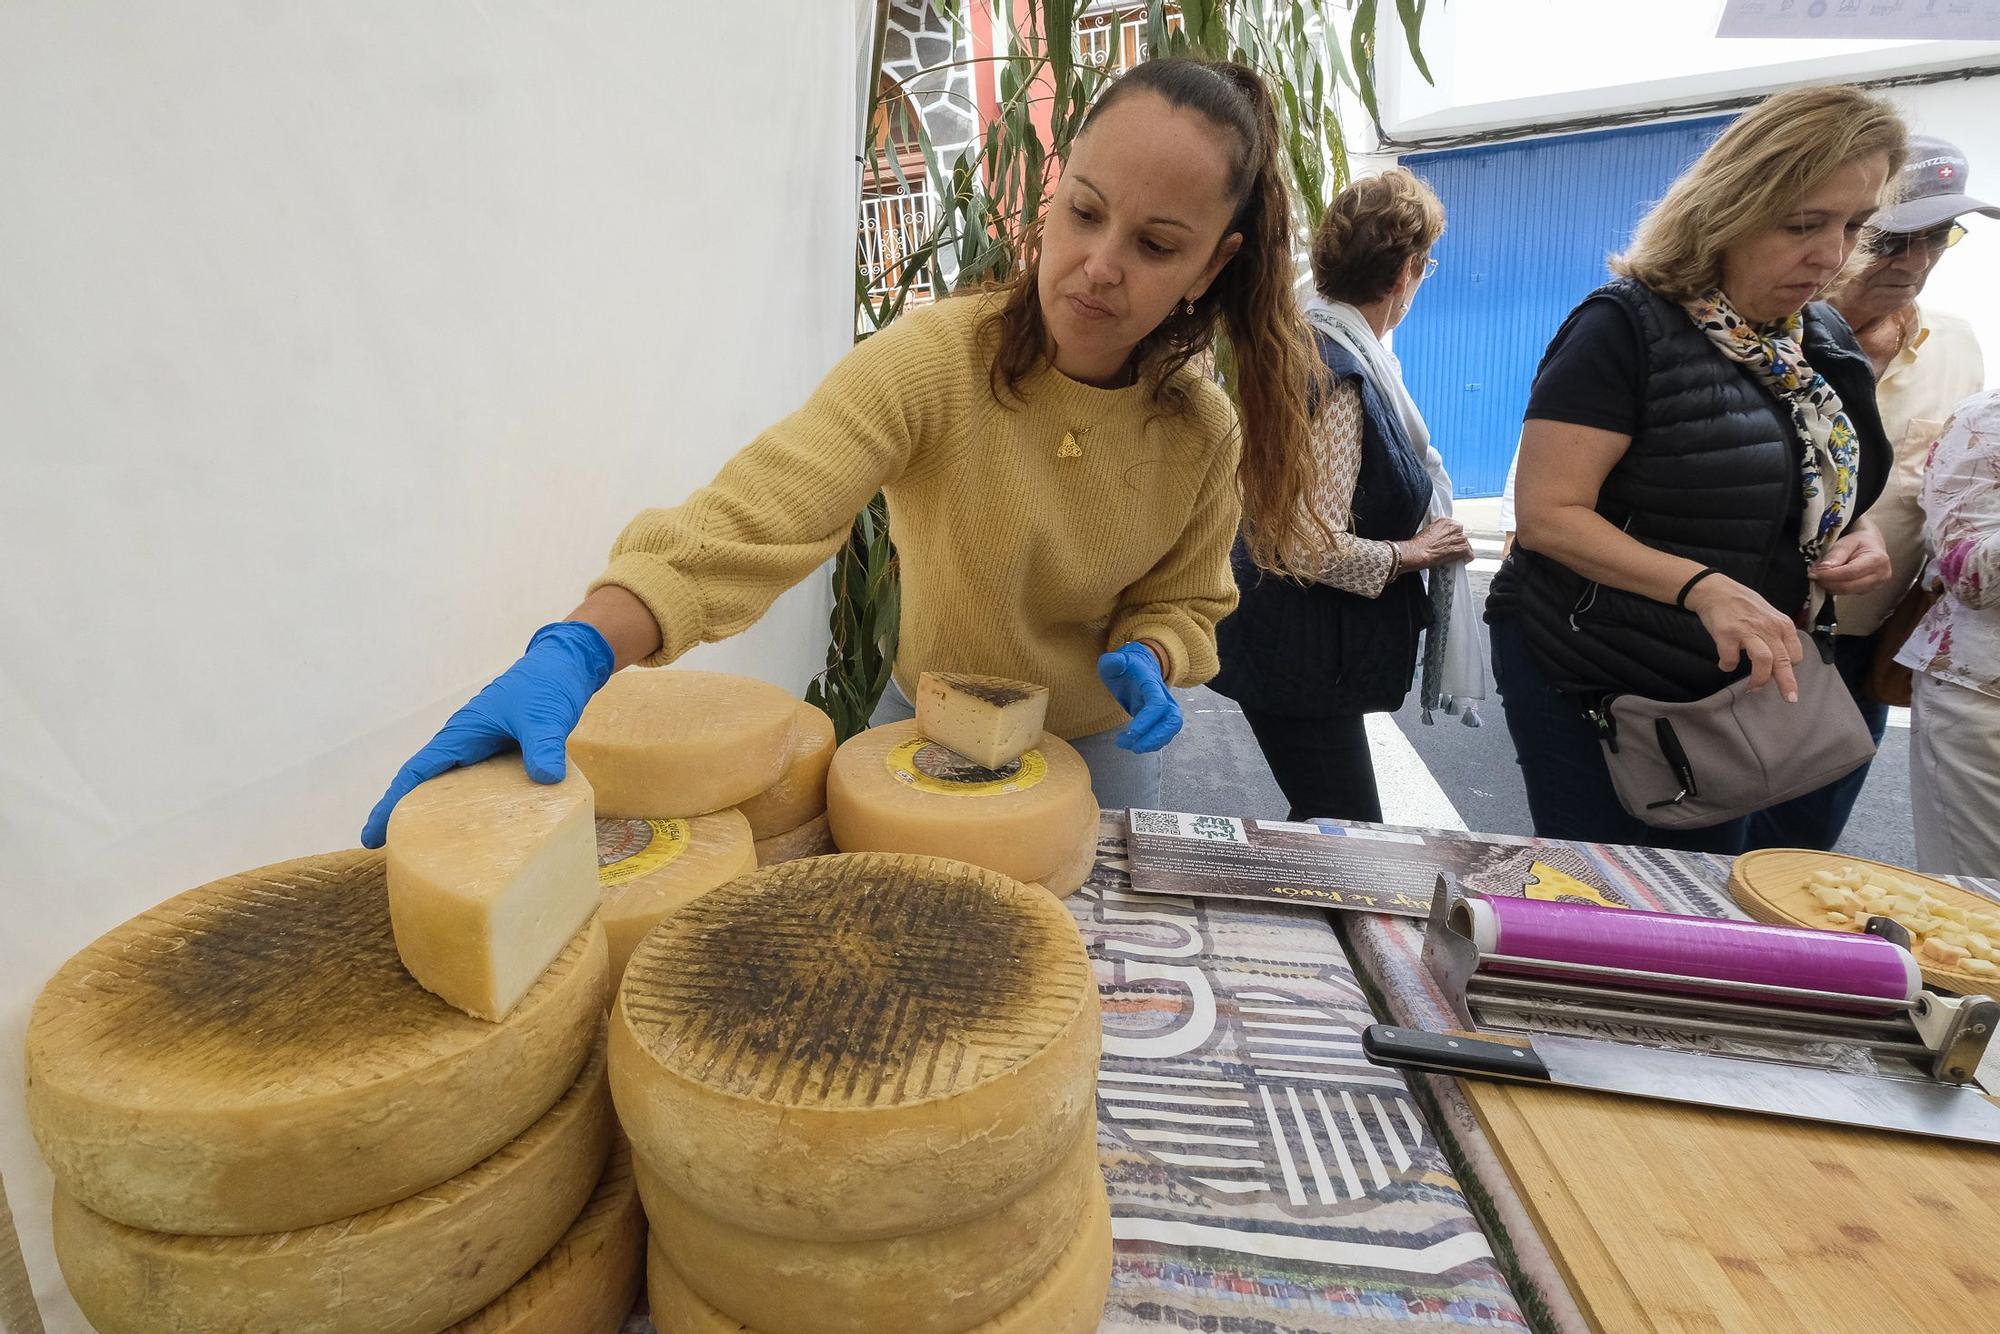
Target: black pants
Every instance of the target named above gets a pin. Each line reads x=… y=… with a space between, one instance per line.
x=1321 y=764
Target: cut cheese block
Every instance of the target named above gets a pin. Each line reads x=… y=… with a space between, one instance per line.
x=800 y=793
x=649 y=868
x=589 y=1283
x=252 y=1056
x=853 y=1047
x=814 y=838
x=893 y=790
x=935 y=1282
x=1069 y=877
x=661 y=743
x=988 y=719
x=490 y=875
x=412 y=1267
x=1068 y=1299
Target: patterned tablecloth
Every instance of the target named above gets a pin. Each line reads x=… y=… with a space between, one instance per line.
x=1265 y=1179
x=1387 y=951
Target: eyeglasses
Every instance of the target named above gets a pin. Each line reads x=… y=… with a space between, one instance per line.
x=1892 y=245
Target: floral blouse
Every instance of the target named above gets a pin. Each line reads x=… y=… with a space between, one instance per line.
x=1959 y=640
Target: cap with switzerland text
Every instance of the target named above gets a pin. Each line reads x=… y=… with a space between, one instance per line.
x=1934 y=183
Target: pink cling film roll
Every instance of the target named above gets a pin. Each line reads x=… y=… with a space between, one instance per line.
x=1873 y=971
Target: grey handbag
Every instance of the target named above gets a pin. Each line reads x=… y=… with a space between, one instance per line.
x=1710 y=760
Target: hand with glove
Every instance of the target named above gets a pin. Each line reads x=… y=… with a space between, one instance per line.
x=1132 y=675
x=533 y=704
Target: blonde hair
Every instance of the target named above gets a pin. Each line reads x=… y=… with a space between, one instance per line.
x=1370 y=231
x=1755 y=172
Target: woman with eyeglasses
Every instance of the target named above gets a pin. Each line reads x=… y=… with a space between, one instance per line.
x=1308 y=658
x=1700 y=450
x=1926 y=362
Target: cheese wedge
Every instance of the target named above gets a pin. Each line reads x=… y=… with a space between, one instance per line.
x=1069 y=1298
x=590 y=1281
x=412 y=1267
x=800 y=792
x=649 y=868
x=852 y=1047
x=252 y=1056
x=490 y=875
x=663 y=743
x=988 y=719
x=891 y=789
x=934 y=1282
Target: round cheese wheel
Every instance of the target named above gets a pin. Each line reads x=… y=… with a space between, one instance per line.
x=852 y=1047
x=800 y=792
x=933 y=1282
x=1071 y=875
x=649 y=868
x=590 y=1281
x=1068 y=1299
x=814 y=838
x=252 y=1056
x=892 y=790
x=661 y=743
x=412 y=1267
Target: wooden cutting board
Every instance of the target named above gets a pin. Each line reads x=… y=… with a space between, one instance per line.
x=1672 y=1218
x=1774 y=885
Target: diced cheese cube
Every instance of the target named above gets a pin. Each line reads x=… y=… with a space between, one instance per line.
x=988 y=719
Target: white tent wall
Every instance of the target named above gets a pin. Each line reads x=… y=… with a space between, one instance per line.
x=338 y=342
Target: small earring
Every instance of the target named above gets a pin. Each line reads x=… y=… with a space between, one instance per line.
x=1187 y=306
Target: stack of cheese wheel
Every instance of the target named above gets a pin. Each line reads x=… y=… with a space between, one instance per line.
x=860 y=1092
x=670 y=755
x=259 y=1121
x=892 y=789
x=788 y=819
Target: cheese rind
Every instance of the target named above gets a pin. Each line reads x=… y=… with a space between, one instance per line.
x=413 y=1267
x=935 y=1282
x=800 y=792
x=854 y=1047
x=1068 y=1299
x=252 y=1056
x=694 y=857
x=814 y=838
x=890 y=790
x=661 y=743
x=1071 y=876
x=589 y=1282
x=990 y=720
x=490 y=876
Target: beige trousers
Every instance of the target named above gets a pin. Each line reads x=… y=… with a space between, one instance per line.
x=1955 y=778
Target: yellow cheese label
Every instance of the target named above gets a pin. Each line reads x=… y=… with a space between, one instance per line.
x=628 y=849
x=1545 y=882
x=929 y=767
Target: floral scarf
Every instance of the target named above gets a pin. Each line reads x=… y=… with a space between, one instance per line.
x=1832 y=449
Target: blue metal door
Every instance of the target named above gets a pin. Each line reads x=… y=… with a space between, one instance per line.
x=1529 y=226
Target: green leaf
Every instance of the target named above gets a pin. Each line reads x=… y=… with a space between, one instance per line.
x=1412 y=14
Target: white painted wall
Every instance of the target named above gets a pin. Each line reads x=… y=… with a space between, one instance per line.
x=339 y=340
x=1510 y=63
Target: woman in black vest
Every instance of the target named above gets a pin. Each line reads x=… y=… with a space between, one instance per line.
x=1700 y=445
x=1308 y=660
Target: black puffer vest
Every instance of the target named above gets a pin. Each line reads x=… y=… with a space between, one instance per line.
x=1311 y=651
x=1712 y=475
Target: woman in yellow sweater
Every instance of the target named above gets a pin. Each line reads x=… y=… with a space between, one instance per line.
x=1063 y=483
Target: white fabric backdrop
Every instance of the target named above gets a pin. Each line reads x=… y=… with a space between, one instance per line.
x=337 y=343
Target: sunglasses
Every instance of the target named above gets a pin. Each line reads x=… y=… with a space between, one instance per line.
x=1890 y=245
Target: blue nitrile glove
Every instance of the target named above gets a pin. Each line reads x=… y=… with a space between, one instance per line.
x=1132 y=674
x=533 y=704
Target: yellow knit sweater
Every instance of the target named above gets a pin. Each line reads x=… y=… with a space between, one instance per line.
x=1015 y=562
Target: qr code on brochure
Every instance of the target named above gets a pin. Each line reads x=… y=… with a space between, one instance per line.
x=1176 y=824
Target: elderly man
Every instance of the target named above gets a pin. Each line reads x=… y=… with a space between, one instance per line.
x=1925 y=363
